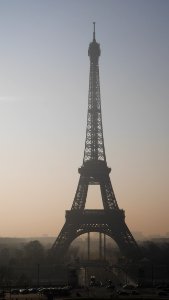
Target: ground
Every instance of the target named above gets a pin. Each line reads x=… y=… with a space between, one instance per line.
x=95 y=293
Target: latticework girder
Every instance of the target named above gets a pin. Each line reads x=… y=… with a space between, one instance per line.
x=111 y=224
x=94 y=144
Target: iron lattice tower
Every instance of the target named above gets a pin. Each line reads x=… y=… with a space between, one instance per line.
x=110 y=220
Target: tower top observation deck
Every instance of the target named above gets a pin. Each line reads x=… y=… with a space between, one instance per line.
x=94 y=47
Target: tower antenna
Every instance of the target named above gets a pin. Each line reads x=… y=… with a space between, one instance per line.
x=94 y=31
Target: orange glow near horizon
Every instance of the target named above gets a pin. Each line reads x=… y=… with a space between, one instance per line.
x=43 y=110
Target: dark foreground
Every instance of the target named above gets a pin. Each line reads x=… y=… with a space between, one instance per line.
x=85 y=293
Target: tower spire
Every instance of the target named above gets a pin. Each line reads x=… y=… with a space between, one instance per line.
x=94 y=38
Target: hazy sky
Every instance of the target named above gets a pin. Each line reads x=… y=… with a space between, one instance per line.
x=44 y=75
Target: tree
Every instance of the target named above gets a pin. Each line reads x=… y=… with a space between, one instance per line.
x=34 y=252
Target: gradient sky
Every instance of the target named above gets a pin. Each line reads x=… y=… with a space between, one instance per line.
x=43 y=109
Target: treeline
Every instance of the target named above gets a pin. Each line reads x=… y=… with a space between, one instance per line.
x=155 y=252
x=34 y=252
x=30 y=263
x=27 y=264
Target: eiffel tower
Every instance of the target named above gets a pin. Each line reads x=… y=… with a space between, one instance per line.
x=94 y=171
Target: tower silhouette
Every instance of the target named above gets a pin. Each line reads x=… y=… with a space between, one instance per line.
x=94 y=171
